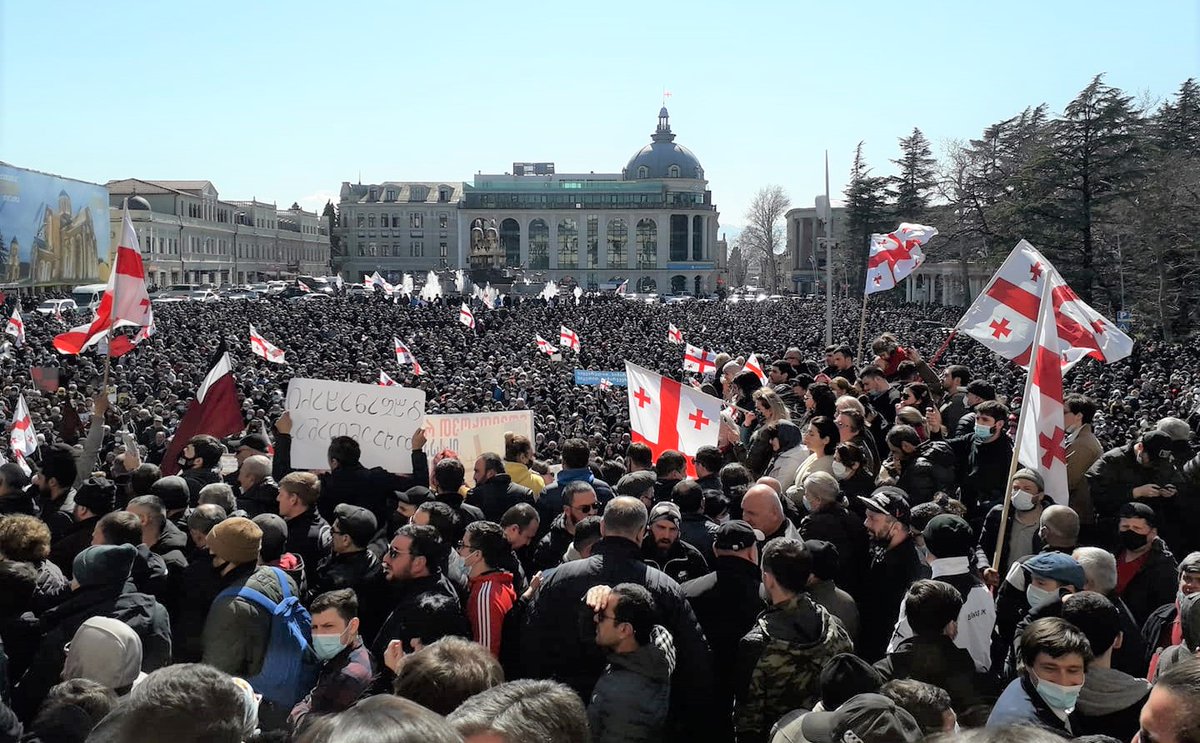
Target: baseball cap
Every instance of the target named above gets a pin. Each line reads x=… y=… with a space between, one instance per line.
x=1058 y=567
x=947 y=535
x=665 y=510
x=415 y=495
x=1157 y=445
x=888 y=500
x=736 y=535
x=255 y=441
x=873 y=718
x=356 y=522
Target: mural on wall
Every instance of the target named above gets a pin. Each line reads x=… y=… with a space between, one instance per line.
x=53 y=230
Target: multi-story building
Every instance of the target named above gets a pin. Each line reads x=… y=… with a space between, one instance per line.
x=189 y=235
x=653 y=224
x=806 y=250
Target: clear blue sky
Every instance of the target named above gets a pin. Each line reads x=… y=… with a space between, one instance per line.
x=284 y=101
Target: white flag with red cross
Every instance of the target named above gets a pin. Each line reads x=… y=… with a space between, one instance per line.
x=674 y=334
x=302 y=286
x=1042 y=428
x=1004 y=315
x=896 y=255
x=623 y=287
x=568 y=338
x=545 y=346
x=665 y=414
x=262 y=348
x=466 y=317
x=385 y=380
x=22 y=439
x=405 y=356
x=16 y=327
x=699 y=360
x=754 y=365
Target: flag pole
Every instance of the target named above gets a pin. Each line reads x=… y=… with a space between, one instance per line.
x=1016 y=454
x=862 y=325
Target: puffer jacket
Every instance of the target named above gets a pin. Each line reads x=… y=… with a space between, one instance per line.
x=931 y=470
x=559 y=637
x=779 y=664
x=629 y=704
x=237 y=631
x=682 y=562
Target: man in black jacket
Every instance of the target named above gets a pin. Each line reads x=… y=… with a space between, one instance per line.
x=1146 y=569
x=829 y=520
x=448 y=478
x=198 y=464
x=351 y=564
x=663 y=548
x=494 y=491
x=558 y=637
x=308 y=534
x=695 y=528
x=983 y=460
x=579 y=502
x=894 y=566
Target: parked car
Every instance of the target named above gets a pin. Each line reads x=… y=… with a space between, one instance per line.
x=310 y=297
x=50 y=306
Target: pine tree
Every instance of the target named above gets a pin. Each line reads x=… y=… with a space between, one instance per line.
x=1177 y=125
x=912 y=188
x=866 y=212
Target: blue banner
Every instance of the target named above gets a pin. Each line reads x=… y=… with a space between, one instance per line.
x=587 y=376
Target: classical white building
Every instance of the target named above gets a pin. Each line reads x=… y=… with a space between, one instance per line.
x=189 y=235
x=397 y=227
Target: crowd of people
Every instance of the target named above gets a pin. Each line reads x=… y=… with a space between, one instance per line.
x=850 y=560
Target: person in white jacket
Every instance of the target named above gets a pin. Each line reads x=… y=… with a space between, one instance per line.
x=784 y=439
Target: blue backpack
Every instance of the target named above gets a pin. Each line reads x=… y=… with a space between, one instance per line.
x=289 y=668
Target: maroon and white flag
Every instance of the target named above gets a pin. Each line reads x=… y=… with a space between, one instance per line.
x=896 y=255
x=405 y=356
x=623 y=287
x=22 y=439
x=263 y=349
x=699 y=360
x=124 y=299
x=545 y=346
x=385 y=380
x=215 y=411
x=1042 y=431
x=16 y=327
x=665 y=414
x=1004 y=316
x=674 y=334
x=754 y=365
x=302 y=286
x=568 y=338
x=466 y=317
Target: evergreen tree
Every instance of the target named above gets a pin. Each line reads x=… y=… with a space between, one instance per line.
x=329 y=214
x=866 y=212
x=1177 y=125
x=912 y=188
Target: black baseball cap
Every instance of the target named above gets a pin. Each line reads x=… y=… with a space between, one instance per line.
x=866 y=718
x=736 y=535
x=888 y=500
x=356 y=522
x=255 y=441
x=947 y=535
x=415 y=495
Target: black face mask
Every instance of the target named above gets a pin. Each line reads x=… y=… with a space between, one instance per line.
x=1131 y=540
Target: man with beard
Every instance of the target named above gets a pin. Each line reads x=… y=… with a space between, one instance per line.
x=198 y=464
x=579 y=502
x=55 y=483
x=666 y=551
x=894 y=566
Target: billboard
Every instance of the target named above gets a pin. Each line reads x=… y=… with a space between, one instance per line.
x=53 y=230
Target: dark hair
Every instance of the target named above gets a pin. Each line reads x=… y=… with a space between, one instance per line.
x=635 y=605
x=930 y=605
x=844 y=350
x=156 y=511
x=143 y=478
x=1055 y=637
x=734 y=473
x=344 y=601
x=981 y=389
x=520 y=515
x=826 y=429
x=575 y=454
x=747 y=382
x=612 y=470
x=669 y=461
x=450 y=475
x=58 y=462
x=688 y=495
x=491 y=463
x=13 y=476
x=121 y=527
x=928 y=704
x=95 y=700
x=959 y=372
x=587 y=533
x=905 y=369
x=18 y=583
x=207 y=448
x=789 y=562
x=381 y=719
x=997 y=411
x=871 y=371
x=1182 y=681
x=709 y=457
x=1096 y=617
x=850 y=454
x=445 y=518
x=785 y=432
x=640 y=454
x=525 y=710
x=824 y=400
x=205 y=516
x=783 y=368
x=920 y=393
x=902 y=434
x=183 y=703
x=444 y=674
x=921 y=514
x=488 y=537
x=1081 y=405
x=344 y=450
x=427 y=542
x=572 y=490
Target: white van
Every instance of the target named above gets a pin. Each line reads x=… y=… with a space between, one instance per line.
x=88 y=295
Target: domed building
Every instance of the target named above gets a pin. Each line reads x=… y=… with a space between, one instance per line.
x=653 y=224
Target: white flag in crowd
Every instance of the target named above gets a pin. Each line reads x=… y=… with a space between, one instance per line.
x=16 y=327
x=405 y=356
x=674 y=334
x=262 y=348
x=22 y=439
x=1043 y=433
x=698 y=360
x=466 y=317
x=568 y=338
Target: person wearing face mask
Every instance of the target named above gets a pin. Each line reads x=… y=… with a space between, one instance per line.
x=853 y=475
x=893 y=567
x=829 y=520
x=346 y=665
x=1022 y=538
x=1048 y=576
x=1053 y=664
x=1146 y=570
x=489 y=560
x=983 y=457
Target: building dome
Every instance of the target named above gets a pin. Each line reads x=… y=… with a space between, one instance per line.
x=137 y=203
x=662 y=158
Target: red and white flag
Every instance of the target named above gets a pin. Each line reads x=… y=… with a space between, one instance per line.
x=1004 y=315
x=58 y=313
x=665 y=414
x=623 y=287
x=303 y=287
x=545 y=346
x=215 y=411
x=699 y=360
x=16 y=327
x=385 y=380
x=263 y=349
x=605 y=385
x=405 y=356
x=754 y=365
x=466 y=317
x=568 y=338
x=1042 y=431
x=125 y=298
x=674 y=334
x=895 y=255
x=22 y=439
x=122 y=344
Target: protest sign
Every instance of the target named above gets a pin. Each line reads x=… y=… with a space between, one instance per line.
x=381 y=419
x=472 y=434
x=588 y=376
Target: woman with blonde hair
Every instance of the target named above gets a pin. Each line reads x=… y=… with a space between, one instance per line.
x=768 y=408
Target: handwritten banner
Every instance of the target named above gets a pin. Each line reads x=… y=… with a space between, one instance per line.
x=472 y=434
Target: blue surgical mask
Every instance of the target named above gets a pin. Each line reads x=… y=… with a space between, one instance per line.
x=982 y=432
x=327 y=646
x=1059 y=697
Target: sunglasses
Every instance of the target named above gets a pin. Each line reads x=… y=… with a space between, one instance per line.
x=586 y=507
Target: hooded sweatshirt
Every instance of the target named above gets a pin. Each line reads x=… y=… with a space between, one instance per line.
x=1110 y=703
x=630 y=700
x=106 y=651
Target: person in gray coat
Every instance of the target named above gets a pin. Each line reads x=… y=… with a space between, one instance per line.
x=629 y=702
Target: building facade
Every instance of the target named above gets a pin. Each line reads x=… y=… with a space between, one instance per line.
x=806 y=251
x=189 y=235
x=397 y=227
x=653 y=224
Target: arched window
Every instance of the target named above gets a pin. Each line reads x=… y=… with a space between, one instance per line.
x=645 y=285
x=647 y=243
x=371 y=220
x=618 y=242
x=673 y=171
x=568 y=243
x=510 y=241
x=539 y=244
x=643 y=172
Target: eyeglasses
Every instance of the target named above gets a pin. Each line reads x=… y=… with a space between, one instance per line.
x=601 y=616
x=463 y=545
x=336 y=532
x=586 y=507
x=393 y=553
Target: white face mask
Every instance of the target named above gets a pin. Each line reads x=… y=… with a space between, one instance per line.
x=1062 y=698
x=1038 y=596
x=839 y=470
x=1022 y=501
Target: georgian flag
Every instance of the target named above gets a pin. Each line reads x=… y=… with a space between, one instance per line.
x=674 y=334
x=16 y=327
x=605 y=385
x=22 y=439
x=754 y=365
x=262 y=348
x=385 y=380
x=665 y=414
x=58 y=313
x=125 y=298
x=1042 y=432
x=466 y=317
x=623 y=287
x=569 y=338
x=698 y=360
x=303 y=287
x=1004 y=316
x=895 y=255
x=545 y=346
x=405 y=356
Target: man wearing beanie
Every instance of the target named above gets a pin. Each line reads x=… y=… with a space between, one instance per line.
x=94 y=498
x=1021 y=539
x=100 y=588
x=663 y=548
